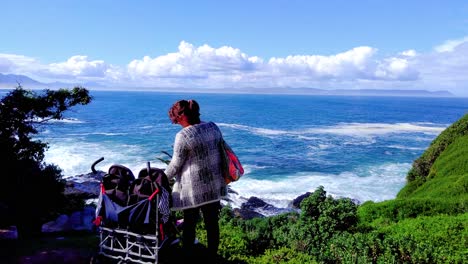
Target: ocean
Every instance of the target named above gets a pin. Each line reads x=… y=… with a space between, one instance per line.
x=356 y=147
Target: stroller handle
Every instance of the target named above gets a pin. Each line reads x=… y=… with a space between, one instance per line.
x=96 y=162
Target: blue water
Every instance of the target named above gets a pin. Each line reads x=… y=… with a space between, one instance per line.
x=357 y=147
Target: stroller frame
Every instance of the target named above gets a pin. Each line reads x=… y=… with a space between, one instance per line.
x=125 y=245
x=135 y=247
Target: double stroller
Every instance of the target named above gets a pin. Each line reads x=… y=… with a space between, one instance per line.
x=133 y=215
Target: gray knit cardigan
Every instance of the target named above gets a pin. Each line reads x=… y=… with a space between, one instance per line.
x=197 y=166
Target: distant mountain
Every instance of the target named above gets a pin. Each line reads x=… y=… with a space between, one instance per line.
x=375 y=92
x=12 y=80
x=343 y=92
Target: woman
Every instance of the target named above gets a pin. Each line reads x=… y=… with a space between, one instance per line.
x=197 y=167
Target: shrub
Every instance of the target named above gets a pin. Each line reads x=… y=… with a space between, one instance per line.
x=433 y=239
x=32 y=191
x=282 y=255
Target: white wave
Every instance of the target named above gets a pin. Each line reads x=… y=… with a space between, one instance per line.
x=405 y=147
x=64 y=120
x=256 y=166
x=422 y=139
x=98 y=133
x=248 y=168
x=347 y=129
x=307 y=138
x=366 y=129
x=360 y=141
x=324 y=146
x=75 y=158
x=256 y=130
x=375 y=183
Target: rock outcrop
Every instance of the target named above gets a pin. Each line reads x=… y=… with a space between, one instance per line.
x=86 y=187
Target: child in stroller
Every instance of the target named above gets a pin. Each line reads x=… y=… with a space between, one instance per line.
x=133 y=215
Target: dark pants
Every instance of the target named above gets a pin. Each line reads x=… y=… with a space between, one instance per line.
x=210 y=217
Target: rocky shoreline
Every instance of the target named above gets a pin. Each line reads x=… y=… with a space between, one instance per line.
x=86 y=187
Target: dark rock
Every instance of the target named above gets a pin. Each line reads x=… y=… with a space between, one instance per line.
x=230 y=190
x=85 y=185
x=256 y=206
x=246 y=214
x=81 y=220
x=254 y=203
x=87 y=190
x=296 y=203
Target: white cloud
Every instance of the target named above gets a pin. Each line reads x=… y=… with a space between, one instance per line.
x=76 y=68
x=206 y=66
x=223 y=67
x=450 y=45
x=408 y=53
x=79 y=66
x=356 y=64
x=18 y=64
x=192 y=62
x=398 y=69
x=446 y=68
x=351 y=63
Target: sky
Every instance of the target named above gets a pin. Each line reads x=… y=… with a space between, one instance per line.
x=256 y=45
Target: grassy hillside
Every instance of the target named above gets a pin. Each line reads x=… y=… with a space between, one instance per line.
x=428 y=220
x=443 y=191
x=422 y=169
x=448 y=176
x=437 y=182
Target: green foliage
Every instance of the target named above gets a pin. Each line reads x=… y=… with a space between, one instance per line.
x=357 y=248
x=323 y=217
x=445 y=191
x=282 y=255
x=32 y=191
x=422 y=165
x=429 y=226
x=290 y=237
x=166 y=160
x=392 y=211
x=233 y=243
x=429 y=239
x=329 y=213
x=233 y=240
x=281 y=228
x=448 y=177
x=453 y=161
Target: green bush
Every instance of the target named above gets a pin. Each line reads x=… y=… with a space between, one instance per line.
x=281 y=228
x=282 y=255
x=233 y=243
x=322 y=217
x=392 y=211
x=429 y=239
x=32 y=191
x=358 y=248
x=433 y=239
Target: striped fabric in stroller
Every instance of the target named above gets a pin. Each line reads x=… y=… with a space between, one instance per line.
x=133 y=215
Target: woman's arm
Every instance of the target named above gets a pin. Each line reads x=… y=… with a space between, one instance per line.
x=178 y=157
